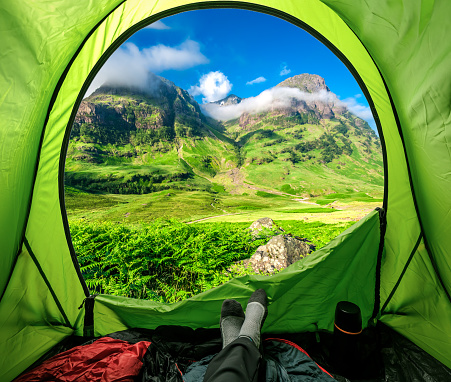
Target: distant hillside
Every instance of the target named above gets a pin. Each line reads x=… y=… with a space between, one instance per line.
x=112 y=115
x=135 y=141
x=303 y=142
x=307 y=142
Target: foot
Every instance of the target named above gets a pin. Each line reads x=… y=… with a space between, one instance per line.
x=232 y=317
x=256 y=313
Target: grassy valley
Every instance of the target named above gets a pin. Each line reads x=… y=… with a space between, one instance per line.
x=154 y=162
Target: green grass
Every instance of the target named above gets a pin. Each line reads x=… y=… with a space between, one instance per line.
x=317 y=232
x=289 y=190
x=77 y=200
x=182 y=205
x=350 y=197
x=171 y=203
x=323 y=202
x=250 y=208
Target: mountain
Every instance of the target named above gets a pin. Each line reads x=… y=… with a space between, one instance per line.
x=129 y=140
x=305 y=97
x=305 y=141
x=309 y=83
x=302 y=141
x=231 y=99
x=325 y=106
x=161 y=111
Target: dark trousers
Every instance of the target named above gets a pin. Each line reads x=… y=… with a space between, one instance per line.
x=239 y=361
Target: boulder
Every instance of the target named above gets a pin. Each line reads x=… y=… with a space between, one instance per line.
x=280 y=252
x=261 y=224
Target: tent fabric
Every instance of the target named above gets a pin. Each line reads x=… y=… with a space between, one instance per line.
x=399 y=53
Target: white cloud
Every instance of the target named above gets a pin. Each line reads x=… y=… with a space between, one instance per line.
x=274 y=98
x=213 y=86
x=279 y=97
x=186 y=55
x=358 y=109
x=129 y=66
x=285 y=71
x=159 y=25
x=361 y=111
x=256 y=81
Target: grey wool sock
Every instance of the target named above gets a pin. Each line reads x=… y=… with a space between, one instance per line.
x=232 y=317
x=256 y=313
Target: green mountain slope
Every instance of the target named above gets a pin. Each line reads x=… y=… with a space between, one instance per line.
x=310 y=147
x=333 y=155
x=129 y=141
x=133 y=141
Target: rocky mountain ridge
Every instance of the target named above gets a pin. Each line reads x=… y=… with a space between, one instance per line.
x=309 y=83
x=231 y=99
x=161 y=132
x=118 y=111
x=312 y=103
x=162 y=110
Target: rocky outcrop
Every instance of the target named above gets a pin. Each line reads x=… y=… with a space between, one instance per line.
x=231 y=99
x=309 y=83
x=280 y=252
x=260 y=225
x=325 y=106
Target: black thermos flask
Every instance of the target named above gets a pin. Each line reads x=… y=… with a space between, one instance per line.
x=346 y=354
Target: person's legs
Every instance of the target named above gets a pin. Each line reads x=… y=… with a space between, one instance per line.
x=239 y=360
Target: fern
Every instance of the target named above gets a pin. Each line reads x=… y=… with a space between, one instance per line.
x=169 y=261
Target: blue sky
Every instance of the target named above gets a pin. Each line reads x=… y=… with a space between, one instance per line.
x=213 y=53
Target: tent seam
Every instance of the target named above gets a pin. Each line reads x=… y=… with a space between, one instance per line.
x=390 y=296
x=398 y=125
x=41 y=141
x=377 y=287
x=47 y=282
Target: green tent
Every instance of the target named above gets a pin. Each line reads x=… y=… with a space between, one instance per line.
x=395 y=263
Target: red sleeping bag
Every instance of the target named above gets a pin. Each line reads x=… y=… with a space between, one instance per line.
x=105 y=360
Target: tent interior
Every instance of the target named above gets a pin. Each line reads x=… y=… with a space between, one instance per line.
x=394 y=263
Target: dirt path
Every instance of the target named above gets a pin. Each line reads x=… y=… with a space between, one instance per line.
x=211 y=217
x=303 y=200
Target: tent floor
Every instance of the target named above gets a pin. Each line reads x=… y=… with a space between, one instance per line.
x=385 y=356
